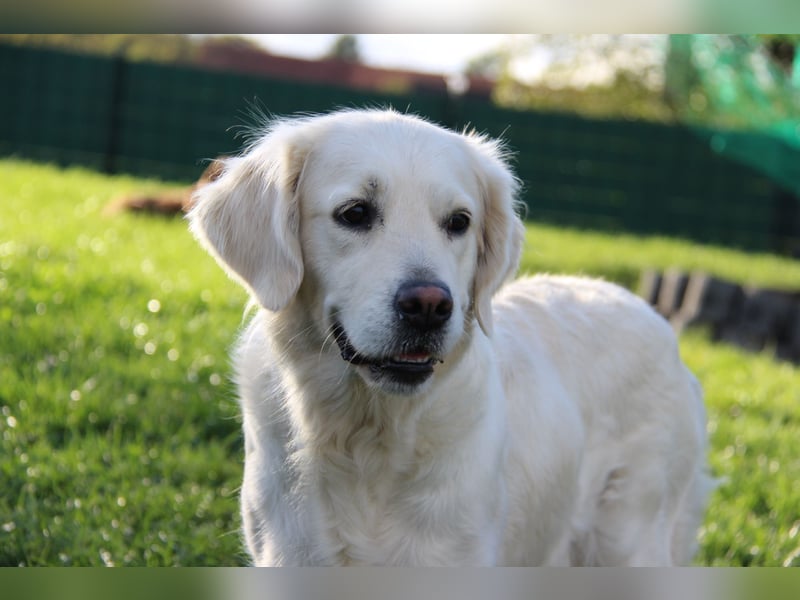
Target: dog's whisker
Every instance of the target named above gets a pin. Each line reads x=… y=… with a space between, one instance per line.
x=300 y=334
x=329 y=339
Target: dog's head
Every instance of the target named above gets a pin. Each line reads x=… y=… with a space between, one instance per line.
x=391 y=232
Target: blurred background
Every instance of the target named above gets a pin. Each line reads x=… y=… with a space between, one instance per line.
x=696 y=136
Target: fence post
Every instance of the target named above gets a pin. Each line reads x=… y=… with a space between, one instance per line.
x=119 y=69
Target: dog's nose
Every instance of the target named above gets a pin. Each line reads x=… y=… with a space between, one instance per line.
x=424 y=305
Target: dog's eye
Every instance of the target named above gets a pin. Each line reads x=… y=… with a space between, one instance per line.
x=356 y=215
x=457 y=223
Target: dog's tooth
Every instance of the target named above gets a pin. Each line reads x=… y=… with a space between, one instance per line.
x=412 y=359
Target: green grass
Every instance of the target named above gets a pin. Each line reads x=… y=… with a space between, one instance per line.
x=623 y=257
x=119 y=432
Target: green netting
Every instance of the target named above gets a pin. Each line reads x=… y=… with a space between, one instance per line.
x=742 y=93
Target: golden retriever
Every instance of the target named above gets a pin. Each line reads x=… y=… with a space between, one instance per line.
x=403 y=402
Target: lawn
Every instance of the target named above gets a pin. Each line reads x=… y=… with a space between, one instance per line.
x=119 y=433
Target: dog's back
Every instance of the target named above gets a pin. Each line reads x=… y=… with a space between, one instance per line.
x=595 y=385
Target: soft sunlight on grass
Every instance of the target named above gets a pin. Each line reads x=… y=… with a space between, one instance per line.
x=623 y=257
x=119 y=432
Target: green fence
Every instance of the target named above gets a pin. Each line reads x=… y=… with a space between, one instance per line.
x=161 y=120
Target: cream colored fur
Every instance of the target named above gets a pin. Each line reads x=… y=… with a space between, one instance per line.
x=560 y=427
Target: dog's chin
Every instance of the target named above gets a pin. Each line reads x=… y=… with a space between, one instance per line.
x=401 y=379
x=403 y=373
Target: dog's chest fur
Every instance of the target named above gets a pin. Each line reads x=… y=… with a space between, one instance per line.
x=361 y=476
x=370 y=471
x=380 y=478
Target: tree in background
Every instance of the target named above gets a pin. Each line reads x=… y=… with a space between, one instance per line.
x=600 y=76
x=345 y=48
x=162 y=48
x=154 y=47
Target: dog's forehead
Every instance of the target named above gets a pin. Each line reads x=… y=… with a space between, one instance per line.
x=404 y=147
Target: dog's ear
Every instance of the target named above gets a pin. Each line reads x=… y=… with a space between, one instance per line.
x=502 y=232
x=248 y=218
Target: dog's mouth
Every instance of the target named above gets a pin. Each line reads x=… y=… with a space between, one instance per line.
x=410 y=367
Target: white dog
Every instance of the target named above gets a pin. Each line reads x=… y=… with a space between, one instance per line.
x=403 y=407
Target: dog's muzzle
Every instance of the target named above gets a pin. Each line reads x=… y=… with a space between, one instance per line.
x=407 y=367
